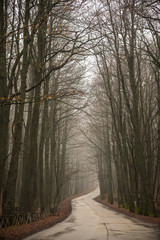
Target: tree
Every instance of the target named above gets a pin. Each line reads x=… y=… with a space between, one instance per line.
x=43 y=45
x=121 y=60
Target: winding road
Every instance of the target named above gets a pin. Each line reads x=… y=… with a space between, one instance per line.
x=92 y=221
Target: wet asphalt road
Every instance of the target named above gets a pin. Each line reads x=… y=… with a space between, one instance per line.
x=92 y=221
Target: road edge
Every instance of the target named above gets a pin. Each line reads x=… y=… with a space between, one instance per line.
x=154 y=221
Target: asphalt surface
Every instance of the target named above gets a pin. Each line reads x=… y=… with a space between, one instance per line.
x=92 y=221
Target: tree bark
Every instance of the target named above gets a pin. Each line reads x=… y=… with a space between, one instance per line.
x=4 y=110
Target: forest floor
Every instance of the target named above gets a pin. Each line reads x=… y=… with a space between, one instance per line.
x=25 y=230
x=155 y=221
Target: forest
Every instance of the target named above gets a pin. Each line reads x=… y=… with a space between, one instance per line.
x=79 y=104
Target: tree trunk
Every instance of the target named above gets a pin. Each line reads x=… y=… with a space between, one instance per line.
x=26 y=144
x=9 y=193
x=4 y=110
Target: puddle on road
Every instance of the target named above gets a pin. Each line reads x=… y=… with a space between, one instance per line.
x=71 y=219
x=67 y=230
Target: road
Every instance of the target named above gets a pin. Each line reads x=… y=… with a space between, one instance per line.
x=92 y=221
